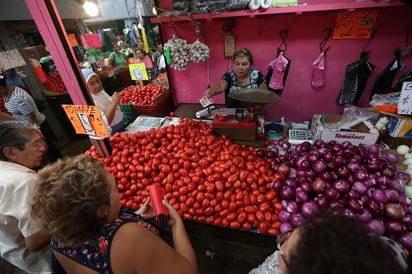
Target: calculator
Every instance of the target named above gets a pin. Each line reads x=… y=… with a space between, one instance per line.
x=298 y=136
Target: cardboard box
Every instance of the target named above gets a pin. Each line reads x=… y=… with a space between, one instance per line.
x=399 y=125
x=360 y=134
x=394 y=142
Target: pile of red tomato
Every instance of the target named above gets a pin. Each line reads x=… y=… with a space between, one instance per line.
x=141 y=95
x=106 y=72
x=206 y=178
x=161 y=80
x=55 y=83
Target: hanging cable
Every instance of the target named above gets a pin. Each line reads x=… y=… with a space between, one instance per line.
x=325 y=40
x=283 y=46
x=365 y=47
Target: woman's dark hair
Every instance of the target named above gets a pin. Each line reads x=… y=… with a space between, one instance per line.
x=242 y=53
x=332 y=242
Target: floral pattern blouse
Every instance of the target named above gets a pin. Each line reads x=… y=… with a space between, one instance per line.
x=95 y=254
x=256 y=79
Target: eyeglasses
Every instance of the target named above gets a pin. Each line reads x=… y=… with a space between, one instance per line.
x=39 y=144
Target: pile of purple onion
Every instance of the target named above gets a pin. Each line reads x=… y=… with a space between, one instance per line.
x=363 y=181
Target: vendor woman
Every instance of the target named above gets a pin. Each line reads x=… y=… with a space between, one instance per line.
x=108 y=106
x=241 y=76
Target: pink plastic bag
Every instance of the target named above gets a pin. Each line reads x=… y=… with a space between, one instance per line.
x=279 y=67
x=319 y=71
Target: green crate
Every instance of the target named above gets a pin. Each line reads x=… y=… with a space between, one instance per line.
x=128 y=111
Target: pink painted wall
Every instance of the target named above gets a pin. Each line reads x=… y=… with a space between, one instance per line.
x=299 y=101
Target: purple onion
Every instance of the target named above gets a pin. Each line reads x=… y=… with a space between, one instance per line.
x=311 y=174
x=287 y=193
x=339 y=160
x=360 y=175
x=341 y=185
x=296 y=219
x=392 y=194
x=365 y=215
x=353 y=166
x=291 y=182
x=306 y=186
x=319 y=166
x=331 y=194
x=374 y=149
x=406 y=240
x=379 y=195
x=309 y=208
x=397 y=185
x=375 y=208
x=284 y=216
x=319 y=143
x=277 y=185
x=407 y=220
x=376 y=227
x=370 y=182
x=326 y=176
x=292 y=206
x=285 y=227
x=404 y=177
x=354 y=205
x=321 y=201
x=392 y=157
x=394 y=226
x=359 y=187
x=335 y=204
x=301 y=196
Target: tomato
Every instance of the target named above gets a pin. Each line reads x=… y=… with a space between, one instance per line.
x=252 y=199
x=241 y=217
x=270 y=195
x=234 y=224
x=259 y=216
x=273 y=231
x=263 y=228
x=231 y=216
x=268 y=216
x=246 y=226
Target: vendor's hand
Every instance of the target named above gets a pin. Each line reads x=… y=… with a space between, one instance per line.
x=116 y=98
x=208 y=93
x=146 y=211
x=173 y=215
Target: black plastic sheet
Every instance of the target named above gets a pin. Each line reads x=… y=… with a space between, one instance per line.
x=356 y=78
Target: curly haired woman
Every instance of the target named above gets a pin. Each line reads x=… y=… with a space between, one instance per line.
x=78 y=203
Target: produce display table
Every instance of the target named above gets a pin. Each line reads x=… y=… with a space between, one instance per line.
x=224 y=250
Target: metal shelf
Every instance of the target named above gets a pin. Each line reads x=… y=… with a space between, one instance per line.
x=281 y=10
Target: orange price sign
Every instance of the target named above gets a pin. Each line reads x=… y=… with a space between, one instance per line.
x=355 y=24
x=86 y=120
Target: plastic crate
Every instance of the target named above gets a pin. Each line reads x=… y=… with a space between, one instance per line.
x=129 y=113
x=163 y=104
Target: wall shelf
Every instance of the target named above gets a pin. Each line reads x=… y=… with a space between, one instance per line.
x=281 y=10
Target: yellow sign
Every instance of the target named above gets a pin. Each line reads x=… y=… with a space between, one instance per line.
x=355 y=24
x=138 y=71
x=86 y=120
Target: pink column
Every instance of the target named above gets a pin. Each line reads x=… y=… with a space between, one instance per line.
x=48 y=22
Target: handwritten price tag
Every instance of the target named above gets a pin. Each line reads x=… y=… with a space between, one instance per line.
x=355 y=24
x=405 y=101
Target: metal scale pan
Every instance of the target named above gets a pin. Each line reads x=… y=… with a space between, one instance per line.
x=254 y=96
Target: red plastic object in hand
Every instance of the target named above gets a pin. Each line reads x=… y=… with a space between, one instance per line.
x=157 y=196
